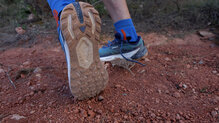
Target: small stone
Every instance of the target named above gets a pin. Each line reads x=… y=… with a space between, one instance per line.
x=37 y=70
x=125 y=117
x=116 y=114
x=91 y=113
x=19 y=98
x=141 y=118
x=99 y=112
x=26 y=63
x=206 y=34
x=188 y=66
x=30 y=16
x=180 y=85
x=147 y=60
x=17 y=117
x=157 y=100
x=112 y=108
x=184 y=86
x=32 y=112
x=124 y=94
x=31 y=93
x=167 y=59
x=181 y=121
x=214 y=113
x=142 y=71
x=214 y=72
x=1 y=71
x=84 y=113
x=76 y=111
x=100 y=98
x=178 y=117
x=29 y=84
x=176 y=95
x=167 y=92
x=20 y=30
x=159 y=91
x=38 y=75
x=40 y=106
x=23 y=76
x=152 y=115
x=201 y=62
x=118 y=86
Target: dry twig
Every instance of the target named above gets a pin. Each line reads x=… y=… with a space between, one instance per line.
x=9 y=78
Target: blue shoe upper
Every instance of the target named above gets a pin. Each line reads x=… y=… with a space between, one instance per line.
x=118 y=46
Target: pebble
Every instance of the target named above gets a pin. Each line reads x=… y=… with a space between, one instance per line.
x=152 y=115
x=37 y=70
x=2 y=71
x=141 y=118
x=32 y=112
x=214 y=72
x=31 y=93
x=176 y=95
x=26 y=63
x=159 y=91
x=178 y=117
x=28 y=83
x=17 y=117
x=167 y=92
x=167 y=59
x=125 y=117
x=91 y=113
x=84 y=113
x=147 y=60
x=214 y=113
x=184 y=86
x=38 y=75
x=20 y=30
x=142 y=71
x=76 y=110
x=181 y=121
x=201 y=62
x=188 y=66
x=99 y=112
x=118 y=86
x=19 y=98
x=157 y=100
x=100 y=98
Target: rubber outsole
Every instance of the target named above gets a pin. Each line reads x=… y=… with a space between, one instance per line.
x=87 y=75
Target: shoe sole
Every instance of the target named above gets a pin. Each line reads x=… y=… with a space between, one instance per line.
x=81 y=27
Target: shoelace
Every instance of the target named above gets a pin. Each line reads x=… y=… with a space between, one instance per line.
x=121 y=53
x=130 y=60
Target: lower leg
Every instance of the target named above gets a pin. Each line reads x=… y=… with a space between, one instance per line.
x=117 y=9
x=120 y=15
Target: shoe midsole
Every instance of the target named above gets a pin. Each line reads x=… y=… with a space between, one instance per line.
x=119 y=56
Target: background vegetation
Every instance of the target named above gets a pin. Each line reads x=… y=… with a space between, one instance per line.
x=154 y=14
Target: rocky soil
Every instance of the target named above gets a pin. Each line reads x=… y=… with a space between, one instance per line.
x=180 y=83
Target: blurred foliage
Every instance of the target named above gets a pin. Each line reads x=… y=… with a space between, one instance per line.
x=156 y=13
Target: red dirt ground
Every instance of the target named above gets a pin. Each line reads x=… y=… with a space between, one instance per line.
x=180 y=83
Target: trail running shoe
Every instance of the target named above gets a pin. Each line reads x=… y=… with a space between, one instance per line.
x=80 y=27
x=120 y=49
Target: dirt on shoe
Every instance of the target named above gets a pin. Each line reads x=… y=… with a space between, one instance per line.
x=81 y=27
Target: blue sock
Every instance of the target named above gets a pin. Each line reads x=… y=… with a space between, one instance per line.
x=57 y=6
x=127 y=29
